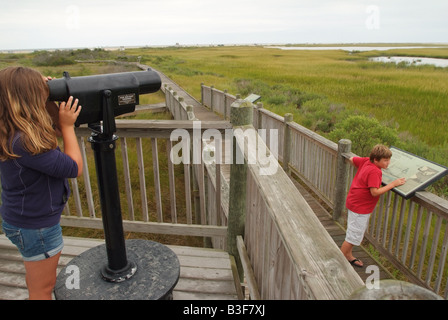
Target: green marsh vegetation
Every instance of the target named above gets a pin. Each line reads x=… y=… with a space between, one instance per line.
x=336 y=93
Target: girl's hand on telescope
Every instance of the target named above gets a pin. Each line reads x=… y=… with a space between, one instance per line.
x=68 y=113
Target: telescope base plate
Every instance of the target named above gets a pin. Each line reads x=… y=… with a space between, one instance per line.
x=156 y=274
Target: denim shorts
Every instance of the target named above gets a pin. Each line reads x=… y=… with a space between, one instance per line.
x=35 y=244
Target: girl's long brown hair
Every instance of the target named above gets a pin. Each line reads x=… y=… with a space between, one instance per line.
x=23 y=94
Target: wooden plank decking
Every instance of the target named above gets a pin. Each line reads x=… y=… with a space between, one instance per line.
x=204 y=273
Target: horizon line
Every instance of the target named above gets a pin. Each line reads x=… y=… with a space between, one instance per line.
x=307 y=44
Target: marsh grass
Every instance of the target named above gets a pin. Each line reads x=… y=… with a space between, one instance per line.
x=411 y=99
x=415 y=97
x=320 y=88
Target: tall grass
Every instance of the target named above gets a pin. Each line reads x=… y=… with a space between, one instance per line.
x=320 y=88
x=411 y=99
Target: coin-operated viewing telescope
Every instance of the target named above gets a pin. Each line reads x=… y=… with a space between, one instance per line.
x=104 y=95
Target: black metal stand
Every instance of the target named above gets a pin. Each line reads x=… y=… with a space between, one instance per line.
x=103 y=145
x=118 y=268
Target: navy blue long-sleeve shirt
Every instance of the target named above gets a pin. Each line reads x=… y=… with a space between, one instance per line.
x=35 y=187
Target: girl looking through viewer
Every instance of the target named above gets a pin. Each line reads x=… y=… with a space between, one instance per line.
x=34 y=172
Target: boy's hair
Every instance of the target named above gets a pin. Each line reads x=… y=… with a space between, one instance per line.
x=23 y=95
x=380 y=152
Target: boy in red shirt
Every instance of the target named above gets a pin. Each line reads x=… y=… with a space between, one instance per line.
x=363 y=196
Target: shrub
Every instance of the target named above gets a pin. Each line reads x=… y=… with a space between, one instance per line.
x=364 y=132
x=321 y=115
x=57 y=58
x=276 y=99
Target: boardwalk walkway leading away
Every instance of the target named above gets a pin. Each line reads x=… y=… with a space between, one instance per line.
x=335 y=230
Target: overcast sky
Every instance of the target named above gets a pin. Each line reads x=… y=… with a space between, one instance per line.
x=32 y=24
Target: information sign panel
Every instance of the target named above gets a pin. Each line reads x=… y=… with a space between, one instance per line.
x=419 y=172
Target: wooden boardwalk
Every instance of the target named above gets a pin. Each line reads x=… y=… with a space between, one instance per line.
x=335 y=230
x=204 y=273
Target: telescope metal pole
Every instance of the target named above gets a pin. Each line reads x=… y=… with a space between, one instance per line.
x=103 y=143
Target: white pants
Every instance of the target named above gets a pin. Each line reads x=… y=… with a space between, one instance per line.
x=356 y=227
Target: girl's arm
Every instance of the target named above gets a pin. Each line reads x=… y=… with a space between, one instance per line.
x=68 y=114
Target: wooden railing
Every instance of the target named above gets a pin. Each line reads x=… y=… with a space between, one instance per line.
x=284 y=250
x=412 y=234
x=310 y=156
x=291 y=254
x=140 y=142
x=176 y=105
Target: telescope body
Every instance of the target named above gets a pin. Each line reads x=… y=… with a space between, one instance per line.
x=124 y=88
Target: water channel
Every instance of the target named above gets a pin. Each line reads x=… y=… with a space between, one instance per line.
x=409 y=60
x=415 y=61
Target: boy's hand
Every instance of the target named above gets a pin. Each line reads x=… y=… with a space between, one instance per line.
x=399 y=182
x=375 y=192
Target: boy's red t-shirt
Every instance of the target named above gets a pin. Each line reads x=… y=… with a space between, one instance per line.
x=359 y=198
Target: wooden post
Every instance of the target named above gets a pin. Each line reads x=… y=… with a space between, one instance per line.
x=179 y=108
x=202 y=93
x=259 y=107
x=174 y=104
x=190 y=113
x=167 y=98
x=225 y=105
x=287 y=142
x=344 y=146
x=241 y=114
x=211 y=98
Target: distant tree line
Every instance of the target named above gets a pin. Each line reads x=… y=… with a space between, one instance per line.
x=69 y=57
